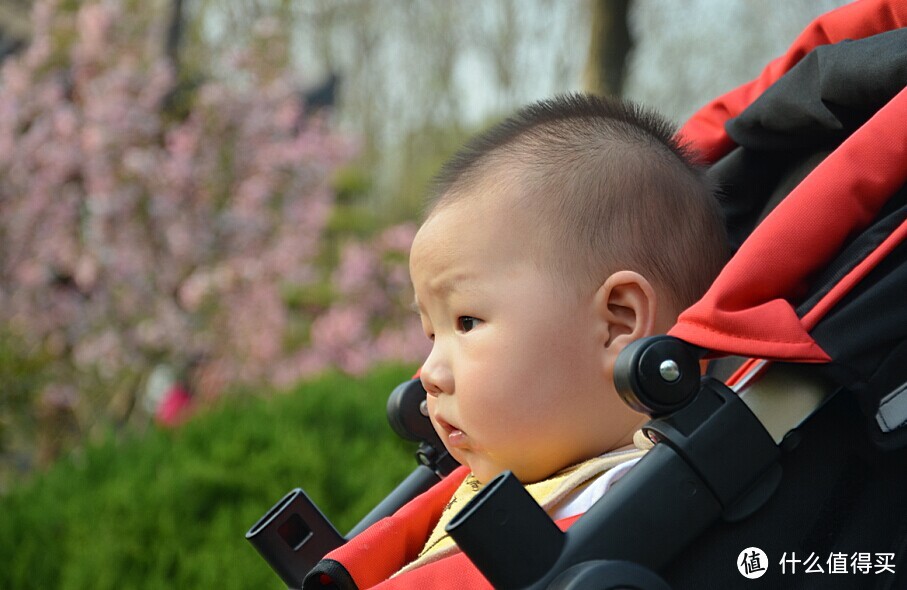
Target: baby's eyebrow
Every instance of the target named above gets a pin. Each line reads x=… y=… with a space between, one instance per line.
x=460 y=281
x=414 y=306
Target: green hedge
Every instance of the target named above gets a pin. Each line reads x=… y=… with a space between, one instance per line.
x=169 y=509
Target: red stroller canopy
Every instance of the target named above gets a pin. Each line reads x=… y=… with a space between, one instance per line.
x=751 y=309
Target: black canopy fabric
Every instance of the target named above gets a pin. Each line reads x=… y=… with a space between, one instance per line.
x=800 y=119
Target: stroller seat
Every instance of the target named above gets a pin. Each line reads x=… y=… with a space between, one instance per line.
x=811 y=158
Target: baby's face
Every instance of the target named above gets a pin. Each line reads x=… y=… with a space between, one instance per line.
x=517 y=377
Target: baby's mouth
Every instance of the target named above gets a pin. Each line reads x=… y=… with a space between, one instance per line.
x=453 y=435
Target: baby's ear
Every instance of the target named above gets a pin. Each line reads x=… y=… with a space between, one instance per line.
x=627 y=307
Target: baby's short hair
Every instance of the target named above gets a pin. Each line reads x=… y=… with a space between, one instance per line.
x=607 y=184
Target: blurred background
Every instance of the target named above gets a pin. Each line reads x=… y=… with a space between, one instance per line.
x=205 y=213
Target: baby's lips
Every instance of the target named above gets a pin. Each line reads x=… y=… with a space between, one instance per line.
x=455 y=436
x=445 y=425
x=456 y=439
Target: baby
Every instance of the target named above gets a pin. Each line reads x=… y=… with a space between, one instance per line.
x=553 y=240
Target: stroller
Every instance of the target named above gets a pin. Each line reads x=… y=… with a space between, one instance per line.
x=785 y=464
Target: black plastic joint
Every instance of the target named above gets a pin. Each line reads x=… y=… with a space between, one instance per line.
x=724 y=442
x=657 y=375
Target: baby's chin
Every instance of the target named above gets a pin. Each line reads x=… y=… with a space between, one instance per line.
x=485 y=471
x=486 y=475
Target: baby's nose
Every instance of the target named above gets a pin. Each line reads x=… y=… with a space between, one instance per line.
x=435 y=374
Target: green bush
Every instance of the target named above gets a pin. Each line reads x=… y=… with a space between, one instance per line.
x=169 y=509
x=23 y=372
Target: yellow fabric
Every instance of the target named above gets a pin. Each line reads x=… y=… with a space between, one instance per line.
x=641 y=441
x=548 y=493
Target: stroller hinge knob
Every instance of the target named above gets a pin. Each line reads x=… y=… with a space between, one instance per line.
x=657 y=375
x=669 y=371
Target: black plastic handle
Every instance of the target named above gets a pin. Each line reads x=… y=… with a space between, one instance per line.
x=293 y=536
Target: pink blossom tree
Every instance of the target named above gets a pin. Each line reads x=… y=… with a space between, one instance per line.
x=130 y=236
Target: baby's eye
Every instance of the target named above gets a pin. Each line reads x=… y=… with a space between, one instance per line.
x=466 y=323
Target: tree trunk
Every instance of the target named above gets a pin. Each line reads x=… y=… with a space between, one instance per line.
x=15 y=27
x=174 y=34
x=608 y=47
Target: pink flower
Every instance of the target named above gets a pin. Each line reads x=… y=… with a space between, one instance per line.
x=398 y=237
x=175 y=408
x=358 y=264
x=338 y=329
x=93 y=25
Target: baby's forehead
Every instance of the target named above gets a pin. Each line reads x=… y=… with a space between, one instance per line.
x=491 y=232
x=480 y=216
x=490 y=179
